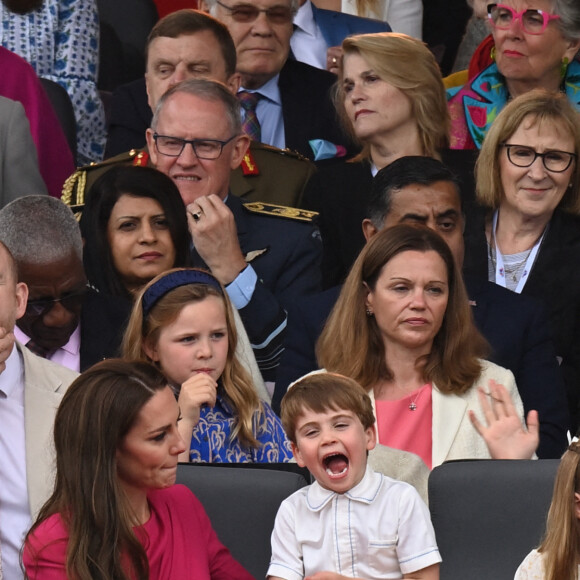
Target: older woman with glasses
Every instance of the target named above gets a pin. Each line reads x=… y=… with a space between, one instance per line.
x=536 y=42
x=529 y=177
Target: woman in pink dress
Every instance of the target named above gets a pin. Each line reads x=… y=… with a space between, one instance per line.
x=115 y=513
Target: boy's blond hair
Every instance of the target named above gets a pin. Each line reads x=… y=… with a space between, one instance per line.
x=320 y=392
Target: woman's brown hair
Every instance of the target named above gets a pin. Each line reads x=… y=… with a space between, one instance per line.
x=96 y=413
x=351 y=343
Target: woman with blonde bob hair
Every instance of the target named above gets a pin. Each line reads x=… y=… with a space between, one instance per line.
x=545 y=109
x=408 y=65
x=391 y=99
x=558 y=556
x=528 y=179
x=402 y=328
x=184 y=323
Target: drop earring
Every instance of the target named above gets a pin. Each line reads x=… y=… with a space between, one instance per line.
x=564 y=67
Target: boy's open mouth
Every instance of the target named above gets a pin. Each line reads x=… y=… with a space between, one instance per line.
x=336 y=464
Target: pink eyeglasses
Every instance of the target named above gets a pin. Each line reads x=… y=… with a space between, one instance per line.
x=533 y=21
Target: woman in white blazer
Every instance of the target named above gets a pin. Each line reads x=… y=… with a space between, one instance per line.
x=402 y=328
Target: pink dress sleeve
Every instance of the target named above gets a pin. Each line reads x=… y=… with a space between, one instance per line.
x=44 y=553
x=192 y=549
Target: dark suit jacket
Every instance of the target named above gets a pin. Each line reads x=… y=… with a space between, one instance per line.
x=336 y=26
x=340 y=191
x=307 y=108
x=307 y=111
x=287 y=270
x=554 y=279
x=523 y=346
x=103 y=321
x=130 y=118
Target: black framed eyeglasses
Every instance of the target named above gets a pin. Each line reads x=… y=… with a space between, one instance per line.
x=533 y=21
x=553 y=160
x=203 y=148
x=72 y=302
x=249 y=13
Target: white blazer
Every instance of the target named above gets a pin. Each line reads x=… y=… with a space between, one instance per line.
x=44 y=386
x=454 y=437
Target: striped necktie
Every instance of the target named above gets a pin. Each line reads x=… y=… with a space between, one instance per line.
x=251 y=125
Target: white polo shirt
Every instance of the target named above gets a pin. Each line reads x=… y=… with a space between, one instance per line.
x=379 y=529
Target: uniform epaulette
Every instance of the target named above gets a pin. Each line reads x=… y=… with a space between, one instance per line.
x=251 y=167
x=75 y=187
x=270 y=209
x=286 y=152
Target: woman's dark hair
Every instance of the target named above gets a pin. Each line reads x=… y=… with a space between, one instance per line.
x=96 y=413
x=101 y=199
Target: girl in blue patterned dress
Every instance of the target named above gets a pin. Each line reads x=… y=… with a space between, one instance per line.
x=184 y=322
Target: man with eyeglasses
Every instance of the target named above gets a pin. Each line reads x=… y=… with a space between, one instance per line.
x=62 y=321
x=31 y=389
x=190 y=44
x=286 y=102
x=264 y=259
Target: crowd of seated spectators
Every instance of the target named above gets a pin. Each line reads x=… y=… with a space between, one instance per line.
x=292 y=239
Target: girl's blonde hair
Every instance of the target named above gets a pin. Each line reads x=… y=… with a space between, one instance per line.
x=144 y=329
x=408 y=65
x=561 y=544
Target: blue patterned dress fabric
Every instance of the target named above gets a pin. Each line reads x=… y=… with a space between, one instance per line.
x=212 y=442
x=61 y=42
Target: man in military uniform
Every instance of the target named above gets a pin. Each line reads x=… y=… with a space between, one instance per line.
x=264 y=258
x=190 y=44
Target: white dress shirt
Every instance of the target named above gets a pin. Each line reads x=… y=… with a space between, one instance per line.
x=380 y=528
x=14 y=507
x=307 y=41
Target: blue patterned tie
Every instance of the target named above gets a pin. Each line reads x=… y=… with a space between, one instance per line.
x=251 y=125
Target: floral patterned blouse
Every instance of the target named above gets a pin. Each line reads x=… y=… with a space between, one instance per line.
x=61 y=42
x=212 y=443
x=474 y=106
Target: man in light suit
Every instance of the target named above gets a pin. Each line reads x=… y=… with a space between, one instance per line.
x=19 y=173
x=31 y=389
x=319 y=33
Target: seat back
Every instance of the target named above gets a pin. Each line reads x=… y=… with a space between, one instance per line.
x=63 y=107
x=241 y=501
x=489 y=514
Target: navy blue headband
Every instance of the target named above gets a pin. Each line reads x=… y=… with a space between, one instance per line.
x=174 y=280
